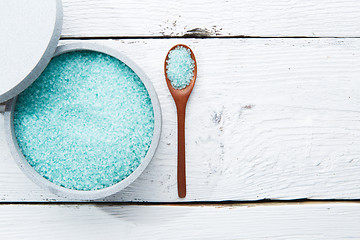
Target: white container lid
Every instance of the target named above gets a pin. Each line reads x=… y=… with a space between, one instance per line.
x=30 y=32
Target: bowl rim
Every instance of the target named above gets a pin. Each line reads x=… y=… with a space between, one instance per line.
x=86 y=194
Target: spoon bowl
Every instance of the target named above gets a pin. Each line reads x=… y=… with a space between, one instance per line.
x=181 y=94
x=181 y=97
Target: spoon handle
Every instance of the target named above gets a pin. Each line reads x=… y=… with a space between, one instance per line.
x=181 y=175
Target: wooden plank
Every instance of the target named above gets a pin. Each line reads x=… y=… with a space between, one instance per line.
x=321 y=18
x=268 y=118
x=319 y=221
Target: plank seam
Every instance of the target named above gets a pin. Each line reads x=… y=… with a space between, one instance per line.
x=200 y=203
x=200 y=37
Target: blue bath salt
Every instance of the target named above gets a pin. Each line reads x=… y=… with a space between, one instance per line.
x=86 y=123
x=180 y=67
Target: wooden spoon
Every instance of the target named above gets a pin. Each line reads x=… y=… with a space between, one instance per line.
x=181 y=97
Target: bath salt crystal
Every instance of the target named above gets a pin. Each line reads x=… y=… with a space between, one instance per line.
x=86 y=123
x=180 y=67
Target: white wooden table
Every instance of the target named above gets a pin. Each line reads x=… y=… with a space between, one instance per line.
x=275 y=115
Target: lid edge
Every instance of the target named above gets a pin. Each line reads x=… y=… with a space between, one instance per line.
x=44 y=61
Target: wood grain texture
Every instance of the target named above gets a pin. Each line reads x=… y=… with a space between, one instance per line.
x=320 y=18
x=325 y=221
x=268 y=118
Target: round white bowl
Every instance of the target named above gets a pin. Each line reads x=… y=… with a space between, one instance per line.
x=79 y=194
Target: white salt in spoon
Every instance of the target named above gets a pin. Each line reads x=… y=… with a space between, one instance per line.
x=181 y=97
